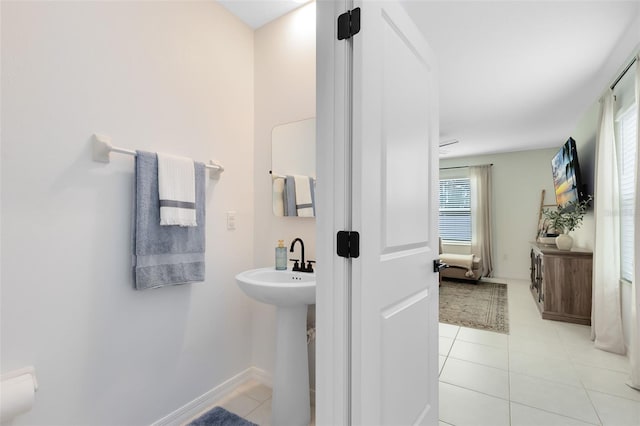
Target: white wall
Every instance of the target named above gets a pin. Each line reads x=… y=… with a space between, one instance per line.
x=285 y=91
x=586 y=128
x=518 y=179
x=585 y=137
x=585 y=131
x=158 y=76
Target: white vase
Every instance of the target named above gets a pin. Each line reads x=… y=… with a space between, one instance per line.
x=564 y=241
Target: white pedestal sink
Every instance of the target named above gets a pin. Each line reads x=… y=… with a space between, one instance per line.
x=290 y=292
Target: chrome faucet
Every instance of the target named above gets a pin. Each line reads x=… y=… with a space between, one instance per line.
x=300 y=267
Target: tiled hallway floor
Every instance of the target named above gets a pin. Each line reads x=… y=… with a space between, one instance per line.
x=544 y=373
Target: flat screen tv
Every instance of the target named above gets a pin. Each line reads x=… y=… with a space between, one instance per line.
x=566 y=174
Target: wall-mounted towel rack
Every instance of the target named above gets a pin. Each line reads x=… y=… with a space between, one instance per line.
x=277 y=176
x=102 y=150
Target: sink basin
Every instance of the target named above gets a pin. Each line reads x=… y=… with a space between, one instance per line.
x=290 y=292
x=280 y=288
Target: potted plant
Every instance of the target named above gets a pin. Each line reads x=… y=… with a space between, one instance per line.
x=567 y=218
x=554 y=222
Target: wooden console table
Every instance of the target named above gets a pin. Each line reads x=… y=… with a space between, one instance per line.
x=561 y=283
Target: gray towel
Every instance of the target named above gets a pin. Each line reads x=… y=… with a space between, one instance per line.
x=312 y=185
x=290 y=208
x=165 y=255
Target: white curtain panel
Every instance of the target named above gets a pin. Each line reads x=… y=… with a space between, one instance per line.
x=606 y=318
x=481 y=201
x=634 y=348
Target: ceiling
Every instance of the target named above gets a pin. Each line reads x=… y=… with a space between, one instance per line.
x=513 y=75
x=519 y=75
x=256 y=13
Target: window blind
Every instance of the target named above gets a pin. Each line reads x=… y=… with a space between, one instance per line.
x=455 y=209
x=626 y=129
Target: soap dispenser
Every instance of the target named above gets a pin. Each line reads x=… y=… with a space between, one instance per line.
x=281 y=256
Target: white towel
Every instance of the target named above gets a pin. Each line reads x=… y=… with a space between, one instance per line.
x=304 y=202
x=278 y=196
x=177 y=190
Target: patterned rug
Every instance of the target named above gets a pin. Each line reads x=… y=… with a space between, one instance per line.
x=482 y=305
x=218 y=416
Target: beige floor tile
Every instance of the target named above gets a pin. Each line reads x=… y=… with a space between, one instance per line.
x=444 y=345
x=448 y=330
x=552 y=369
x=259 y=392
x=261 y=415
x=480 y=378
x=521 y=415
x=482 y=337
x=240 y=405
x=593 y=357
x=557 y=398
x=614 y=411
x=542 y=347
x=464 y=407
x=490 y=356
x=607 y=381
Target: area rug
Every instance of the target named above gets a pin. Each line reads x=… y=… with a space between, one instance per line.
x=482 y=305
x=218 y=416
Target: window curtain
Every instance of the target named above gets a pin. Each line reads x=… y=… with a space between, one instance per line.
x=606 y=317
x=634 y=348
x=481 y=232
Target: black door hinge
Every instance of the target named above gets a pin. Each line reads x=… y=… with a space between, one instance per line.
x=348 y=244
x=349 y=24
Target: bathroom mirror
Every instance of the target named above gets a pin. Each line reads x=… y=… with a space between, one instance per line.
x=293 y=168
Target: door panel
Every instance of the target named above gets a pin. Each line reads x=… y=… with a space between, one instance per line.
x=405 y=98
x=395 y=202
x=397 y=351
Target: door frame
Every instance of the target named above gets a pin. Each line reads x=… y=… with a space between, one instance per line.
x=333 y=153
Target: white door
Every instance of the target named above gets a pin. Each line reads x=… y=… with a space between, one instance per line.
x=377 y=131
x=395 y=208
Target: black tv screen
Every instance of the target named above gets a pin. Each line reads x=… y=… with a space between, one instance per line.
x=566 y=174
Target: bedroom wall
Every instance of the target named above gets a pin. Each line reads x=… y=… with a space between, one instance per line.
x=518 y=178
x=159 y=76
x=585 y=135
x=585 y=129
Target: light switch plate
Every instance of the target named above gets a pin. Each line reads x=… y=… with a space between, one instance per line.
x=231 y=220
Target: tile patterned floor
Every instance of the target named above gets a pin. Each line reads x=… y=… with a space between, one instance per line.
x=544 y=373
x=251 y=400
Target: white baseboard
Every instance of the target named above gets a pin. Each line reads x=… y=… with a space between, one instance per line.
x=208 y=399
x=262 y=376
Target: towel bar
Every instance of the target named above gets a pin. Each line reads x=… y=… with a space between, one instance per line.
x=102 y=149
